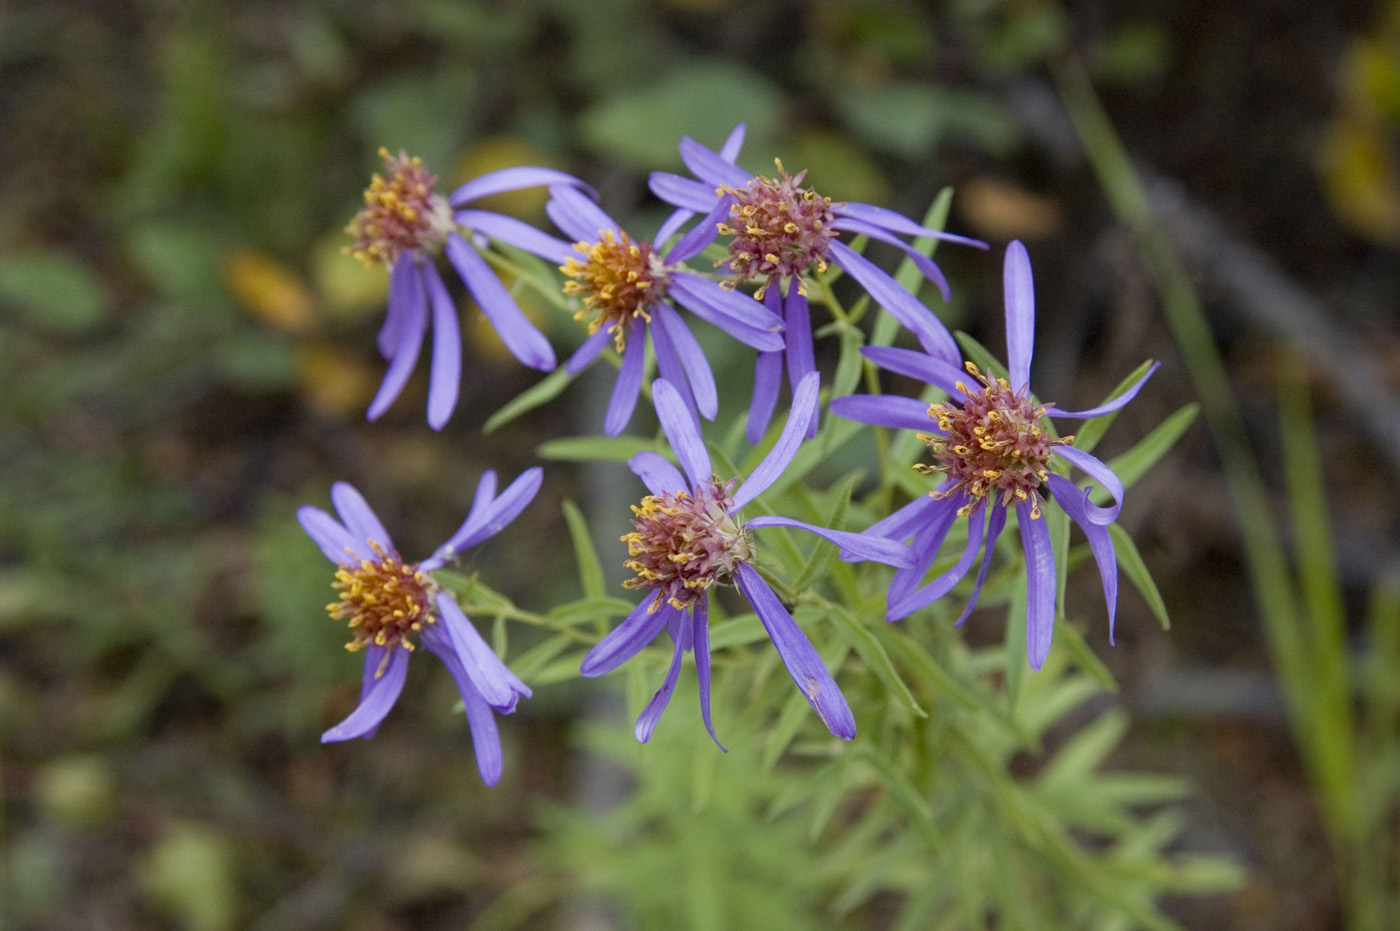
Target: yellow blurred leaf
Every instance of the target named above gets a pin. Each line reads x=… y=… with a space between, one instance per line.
x=333 y=383
x=1001 y=210
x=1359 y=172
x=496 y=152
x=189 y=875
x=348 y=289
x=269 y=290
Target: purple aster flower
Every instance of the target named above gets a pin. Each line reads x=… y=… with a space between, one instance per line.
x=388 y=601
x=629 y=291
x=687 y=537
x=994 y=450
x=405 y=225
x=781 y=230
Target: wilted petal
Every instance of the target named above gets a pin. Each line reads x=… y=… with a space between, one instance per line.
x=858 y=546
x=376 y=701
x=651 y=714
x=1101 y=473
x=627 y=639
x=1040 y=585
x=656 y=473
x=1020 y=314
x=445 y=375
x=902 y=305
x=804 y=408
x=1075 y=501
x=885 y=410
x=803 y=662
x=681 y=432
x=513 y=179
x=629 y=382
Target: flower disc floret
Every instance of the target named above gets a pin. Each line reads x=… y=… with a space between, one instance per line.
x=780 y=229
x=401 y=213
x=681 y=544
x=619 y=280
x=386 y=601
x=992 y=444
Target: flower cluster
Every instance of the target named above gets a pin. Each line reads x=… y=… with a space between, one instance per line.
x=993 y=452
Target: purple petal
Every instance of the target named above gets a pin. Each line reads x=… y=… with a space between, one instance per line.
x=629 y=381
x=995 y=523
x=516 y=233
x=737 y=314
x=481 y=501
x=858 y=546
x=681 y=191
x=898 y=223
x=902 y=305
x=1108 y=407
x=588 y=351
x=885 y=410
x=711 y=167
x=681 y=432
x=580 y=218
x=902 y=523
x=445 y=374
x=733 y=143
x=944 y=583
x=767 y=377
x=359 y=518
x=657 y=473
x=646 y=721
x=1020 y=314
x=512 y=179
x=668 y=366
x=1040 y=585
x=803 y=662
x=668 y=228
x=692 y=358
x=920 y=365
x=333 y=539
x=1076 y=503
x=412 y=322
x=926 y=266
x=486 y=739
x=405 y=292
x=375 y=701
x=519 y=335
x=798 y=342
x=700 y=638
x=484 y=523
x=804 y=408
x=497 y=684
x=627 y=639
x=701 y=235
x=928 y=540
x=1097 y=470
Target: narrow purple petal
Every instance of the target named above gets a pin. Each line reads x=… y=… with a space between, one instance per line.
x=668 y=366
x=739 y=315
x=898 y=223
x=681 y=191
x=692 y=358
x=413 y=321
x=902 y=305
x=733 y=143
x=1101 y=473
x=589 y=351
x=711 y=167
x=928 y=540
x=1020 y=314
x=445 y=374
x=885 y=410
x=580 y=218
x=497 y=684
x=513 y=179
x=405 y=292
x=681 y=432
x=519 y=335
x=486 y=738
x=995 y=523
x=629 y=381
x=376 y=701
x=484 y=523
x=657 y=473
x=359 y=518
x=680 y=627
x=701 y=234
x=803 y=662
x=926 y=266
x=856 y=546
x=485 y=494
x=944 y=583
x=700 y=640
x=920 y=365
x=1076 y=503
x=517 y=233
x=804 y=409
x=903 y=522
x=333 y=539
x=369 y=677
x=798 y=342
x=767 y=377
x=1108 y=407
x=627 y=639
x=1040 y=585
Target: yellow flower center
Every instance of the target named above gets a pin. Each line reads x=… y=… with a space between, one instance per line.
x=681 y=544
x=617 y=281
x=401 y=213
x=385 y=600
x=780 y=229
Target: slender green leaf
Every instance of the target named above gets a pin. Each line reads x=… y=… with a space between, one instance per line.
x=1088 y=436
x=1144 y=455
x=868 y=646
x=590 y=567
x=593 y=448
x=1130 y=561
x=542 y=392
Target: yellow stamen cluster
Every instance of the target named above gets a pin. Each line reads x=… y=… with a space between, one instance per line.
x=681 y=544
x=385 y=600
x=992 y=444
x=780 y=229
x=401 y=213
x=618 y=280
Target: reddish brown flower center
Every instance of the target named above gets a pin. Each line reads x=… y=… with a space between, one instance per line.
x=780 y=229
x=401 y=213
x=992 y=444
x=617 y=281
x=385 y=600
x=681 y=544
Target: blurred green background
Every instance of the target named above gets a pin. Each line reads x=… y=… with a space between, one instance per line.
x=186 y=356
